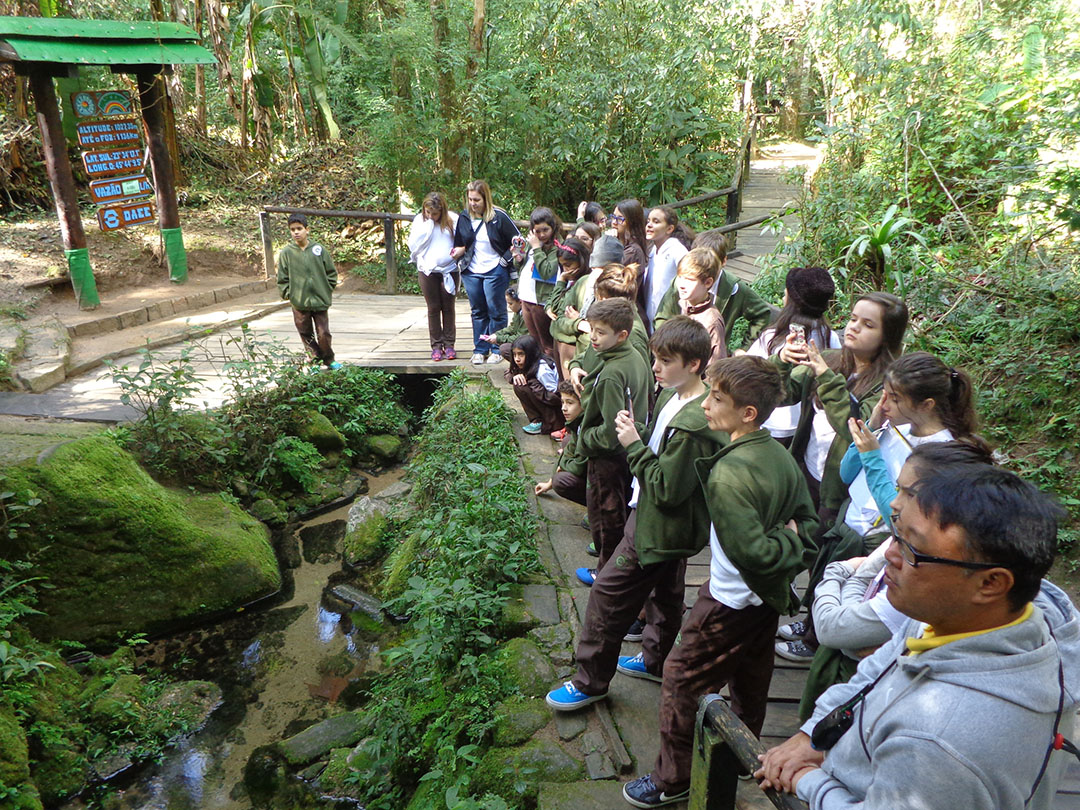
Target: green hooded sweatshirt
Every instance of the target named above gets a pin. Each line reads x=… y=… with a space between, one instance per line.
x=737 y=298
x=621 y=368
x=306 y=277
x=672 y=517
x=753 y=487
x=569 y=459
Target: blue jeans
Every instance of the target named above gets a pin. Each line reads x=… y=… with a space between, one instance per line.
x=487 y=299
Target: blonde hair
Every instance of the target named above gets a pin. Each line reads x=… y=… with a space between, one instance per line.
x=616 y=281
x=484 y=190
x=699 y=264
x=435 y=199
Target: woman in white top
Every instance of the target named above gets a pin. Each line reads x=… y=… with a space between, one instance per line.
x=664 y=256
x=431 y=238
x=808 y=292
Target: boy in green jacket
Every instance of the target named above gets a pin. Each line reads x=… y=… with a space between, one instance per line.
x=734 y=298
x=668 y=522
x=623 y=378
x=306 y=276
x=762 y=522
x=568 y=477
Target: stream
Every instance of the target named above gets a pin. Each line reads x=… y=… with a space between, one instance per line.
x=282 y=669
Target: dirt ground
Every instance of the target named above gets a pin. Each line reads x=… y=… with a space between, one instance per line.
x=222 y=240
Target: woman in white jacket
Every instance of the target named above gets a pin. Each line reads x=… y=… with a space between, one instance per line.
x=431 y=238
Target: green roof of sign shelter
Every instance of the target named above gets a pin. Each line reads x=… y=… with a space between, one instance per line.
x=99 y=42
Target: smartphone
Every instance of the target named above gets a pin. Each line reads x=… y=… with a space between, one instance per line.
x=518 y=243
x=629 y=403
x=856 y=410
x=798 y=334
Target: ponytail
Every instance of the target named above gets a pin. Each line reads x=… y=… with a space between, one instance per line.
x=921 y=376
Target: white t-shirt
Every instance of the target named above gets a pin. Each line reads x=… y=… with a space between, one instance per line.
x=485 y=259
x=726 y=584
x=526 y=282
x=817 y=447
x=430 y=246
x=663 y=264
x=784 y=419
x=547 y=374
x=896 y=445
x=663 y=419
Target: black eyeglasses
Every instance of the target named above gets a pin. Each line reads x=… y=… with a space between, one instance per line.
x=913 y=558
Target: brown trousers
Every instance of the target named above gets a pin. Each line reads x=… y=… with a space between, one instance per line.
x=539 y=325
x=620 y=590
x=441 y=325
x=717 y=645
x=540 y=405
x=569 y=486
x=314 y=330
x=606 y=496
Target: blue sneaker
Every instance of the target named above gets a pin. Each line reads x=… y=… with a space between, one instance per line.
x=644 y=793
x=533 y=428
x=568 y=697
x=587 y=576
x=634 y=666
x=334 y=366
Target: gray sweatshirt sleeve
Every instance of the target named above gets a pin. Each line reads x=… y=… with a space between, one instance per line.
x=908 y=771
x=842 y=620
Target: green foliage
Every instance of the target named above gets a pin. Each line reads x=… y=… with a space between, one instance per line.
x=472 y=535
x=297 y=459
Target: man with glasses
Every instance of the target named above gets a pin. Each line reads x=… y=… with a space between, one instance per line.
x=962 y=707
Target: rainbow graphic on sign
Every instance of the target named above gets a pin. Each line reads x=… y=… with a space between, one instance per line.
x=103 y=103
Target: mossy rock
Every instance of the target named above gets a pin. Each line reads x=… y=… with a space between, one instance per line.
x=15 y=764
x=126 y=555
x=184 y=708
x=121 y=705
x=526 y=667
x=517 y=720
x=316 y=741
x=316 y=429
x=338 y=780
x=269 y=512
x=400 y=565
x=426 y=797
x=364 y=533
x=503 y=770
x=59 y=772
x=385 y=447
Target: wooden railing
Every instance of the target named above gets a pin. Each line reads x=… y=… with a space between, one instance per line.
x=732 y=192
x=723 y=749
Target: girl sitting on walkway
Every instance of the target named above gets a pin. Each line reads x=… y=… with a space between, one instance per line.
x=536 y=384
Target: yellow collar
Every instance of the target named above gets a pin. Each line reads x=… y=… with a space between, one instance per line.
x=930 y=640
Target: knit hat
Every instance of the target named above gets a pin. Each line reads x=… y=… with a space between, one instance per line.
x=606 y=250
x=810 y=289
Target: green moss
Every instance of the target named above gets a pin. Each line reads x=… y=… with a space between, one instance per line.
x=517 y=720
x=269 y=512
x=385 y=447
x=364 y=544
x=516 y=773
x=127 y=555
x=316 y=429
x=526 y=667
x=14 y=760
x=121 y=705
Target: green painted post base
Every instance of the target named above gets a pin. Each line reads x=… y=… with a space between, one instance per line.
x=82 y=278
x=175 y=254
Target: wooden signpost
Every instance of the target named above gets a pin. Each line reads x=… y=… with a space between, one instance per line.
x=124 y=215
x=115 y=132
x=109 y=162
x=114 y=189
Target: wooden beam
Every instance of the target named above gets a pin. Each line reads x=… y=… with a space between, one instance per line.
x=62 y=181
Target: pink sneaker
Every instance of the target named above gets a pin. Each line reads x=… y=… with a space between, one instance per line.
x=436 y=355
x=450 y=354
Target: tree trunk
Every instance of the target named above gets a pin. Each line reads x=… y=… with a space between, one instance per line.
x=200 y=76
x=218 y=25
x=313 y=56
x=476 y=40
x=445 y=88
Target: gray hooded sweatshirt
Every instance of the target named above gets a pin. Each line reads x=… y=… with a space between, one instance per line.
x=964 y=726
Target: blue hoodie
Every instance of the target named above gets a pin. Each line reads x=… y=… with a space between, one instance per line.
x=964 y=726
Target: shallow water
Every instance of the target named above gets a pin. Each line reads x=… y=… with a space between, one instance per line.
x=267 y=663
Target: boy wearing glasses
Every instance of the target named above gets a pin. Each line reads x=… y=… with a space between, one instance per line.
x=761 y=520
x=962 y=707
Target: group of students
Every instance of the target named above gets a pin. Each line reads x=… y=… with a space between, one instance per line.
x=794 y=455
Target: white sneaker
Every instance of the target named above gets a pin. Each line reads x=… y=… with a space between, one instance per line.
x=477 y=359
x=795 y=631
x=794 y=651
x=494 y=359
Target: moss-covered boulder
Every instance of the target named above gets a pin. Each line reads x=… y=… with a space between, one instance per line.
x=364 y=531
x=385 y=447
x=15 y=764
x=399 y=566
x=526 y=667
x=125 y=554
x=504 y=770
x=122 y=704
x=316 y=429
x=269 y=512
x=518 y=719
x=316 y=741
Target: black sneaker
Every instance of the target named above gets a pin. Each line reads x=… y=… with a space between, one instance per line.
x=795 y=631
x=795 y=651
x=591 y=550
x=636 y=631
x=585 y=523
x=643 y=793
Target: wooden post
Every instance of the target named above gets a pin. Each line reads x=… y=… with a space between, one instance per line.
x=152 y=101
x=268 y=244
x=62 y=181
x=391 y=259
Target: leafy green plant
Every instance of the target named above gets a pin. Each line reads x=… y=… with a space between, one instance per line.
x=876 y=245
x=296 y=458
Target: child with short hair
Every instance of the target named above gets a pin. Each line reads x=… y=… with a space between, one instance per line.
x=762 y=518
x=535 y=381
x=734 y=298
x=568 y=478
x=697 y=271
x=513 y=330
x=668 y=522
x=306 y=276
x=623 y=379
